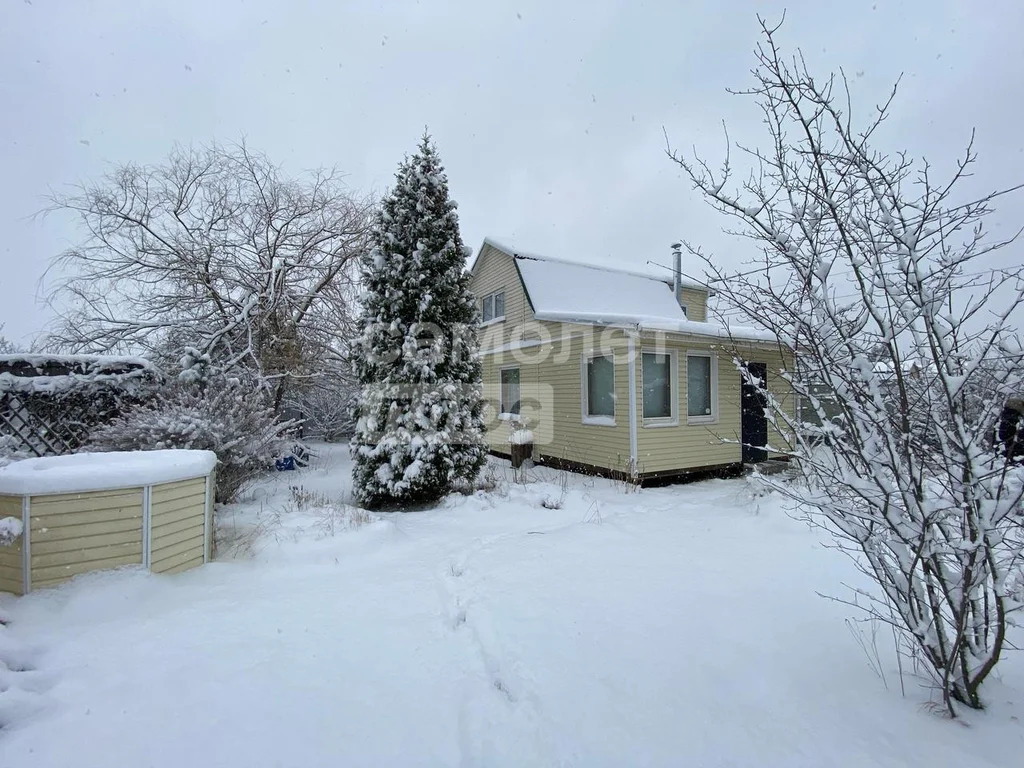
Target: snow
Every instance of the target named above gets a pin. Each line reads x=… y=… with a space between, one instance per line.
x=661 y=627
x=520 y=436
x=81 y=472
x=569 y=292
x=653 y=323
x=10 y=529
x=41 y=359
x=28 y=372
x=577 y=289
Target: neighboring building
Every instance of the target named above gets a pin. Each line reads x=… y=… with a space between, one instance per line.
x=612 y=374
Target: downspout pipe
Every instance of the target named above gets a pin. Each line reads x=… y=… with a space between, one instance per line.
x=631 y=335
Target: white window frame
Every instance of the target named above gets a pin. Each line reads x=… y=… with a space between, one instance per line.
x=483 y=302
x=504 y=415
x=595 y=421
x=711 y=418
x=673 y=365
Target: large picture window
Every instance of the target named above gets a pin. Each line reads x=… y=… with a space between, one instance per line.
x=510 y=400
x=599 y=389
x=658 y=372
x=493 y=306
x=701 y=398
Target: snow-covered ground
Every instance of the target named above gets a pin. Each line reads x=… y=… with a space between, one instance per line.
x=674 y=626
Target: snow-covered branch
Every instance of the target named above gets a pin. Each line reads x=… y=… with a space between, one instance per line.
x=907 y=361
x=217 y=250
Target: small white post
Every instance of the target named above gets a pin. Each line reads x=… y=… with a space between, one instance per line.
x=147 y=525
x=208 y=518
x=631 y=371
x=26 y=544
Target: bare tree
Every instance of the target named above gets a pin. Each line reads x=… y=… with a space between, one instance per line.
x=6 y=346
x=874 y=270
x=216 y=250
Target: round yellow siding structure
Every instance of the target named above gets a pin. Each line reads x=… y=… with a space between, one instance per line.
x=66 y=515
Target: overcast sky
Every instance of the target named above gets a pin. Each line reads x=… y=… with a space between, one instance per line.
x=549 y=116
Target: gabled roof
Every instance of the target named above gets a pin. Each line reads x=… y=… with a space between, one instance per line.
x=519 y=253
x=576 y=291
x=568 y=291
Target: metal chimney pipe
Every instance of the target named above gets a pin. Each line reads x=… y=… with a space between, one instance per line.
x=677 y=272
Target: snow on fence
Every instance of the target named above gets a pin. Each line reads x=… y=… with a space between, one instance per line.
x=50 y=403
x=65 y=515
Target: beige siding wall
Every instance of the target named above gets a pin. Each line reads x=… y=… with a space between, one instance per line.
x=691 y=446
x=10 y=556
x=696 y=302
x=178 y=513
x=551 y=376
x=495 y=271
x=78 y=532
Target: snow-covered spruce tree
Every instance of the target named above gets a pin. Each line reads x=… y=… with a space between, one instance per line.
x=877 y=274
x=419 y=432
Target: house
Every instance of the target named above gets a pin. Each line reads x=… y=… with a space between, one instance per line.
x=617 y=372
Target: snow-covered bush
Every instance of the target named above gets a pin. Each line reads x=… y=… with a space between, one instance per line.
x=10 y=450
x=10 y=530
x=327 y=407
x=875 y=273
x=231 y=420
x=420 y=433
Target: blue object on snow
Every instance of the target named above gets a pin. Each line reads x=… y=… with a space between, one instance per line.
x=285 y=464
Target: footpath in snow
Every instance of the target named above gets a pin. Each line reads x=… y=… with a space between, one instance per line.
x=561 y=621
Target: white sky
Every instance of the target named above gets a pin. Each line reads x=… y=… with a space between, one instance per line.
x=548 y=116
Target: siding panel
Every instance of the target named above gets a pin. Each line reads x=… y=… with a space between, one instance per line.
x=691 y=446
x=179 y=552
x=53 y=575
x=696 y=302
x=77 y=532
x=67 y=503
x=177 y=522
x=10 y=555
x=555 y=381
x=495 y=271
x=167 y=492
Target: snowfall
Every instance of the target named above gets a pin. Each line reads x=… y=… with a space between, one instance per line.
x=549 y=620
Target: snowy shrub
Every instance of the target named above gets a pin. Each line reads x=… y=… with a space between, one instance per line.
x=330 y=516
x=327 y=408
x=420 y=433
x=10 y=450
x=873 y=271
x=10 y=529
x=233 y=421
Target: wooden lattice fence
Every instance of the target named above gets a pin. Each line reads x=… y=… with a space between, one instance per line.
x=49 y=404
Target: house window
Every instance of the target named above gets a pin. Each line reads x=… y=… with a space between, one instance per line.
x=493 y=306
x=509 y=378
x=701 y=385
x=598 y=389
x=658 y=371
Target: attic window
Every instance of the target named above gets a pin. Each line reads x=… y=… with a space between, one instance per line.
x=493 y=307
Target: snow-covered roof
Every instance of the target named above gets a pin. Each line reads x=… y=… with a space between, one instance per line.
x=525 y=254
x=81 y=472
x=59 y=373
x=571 y=292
